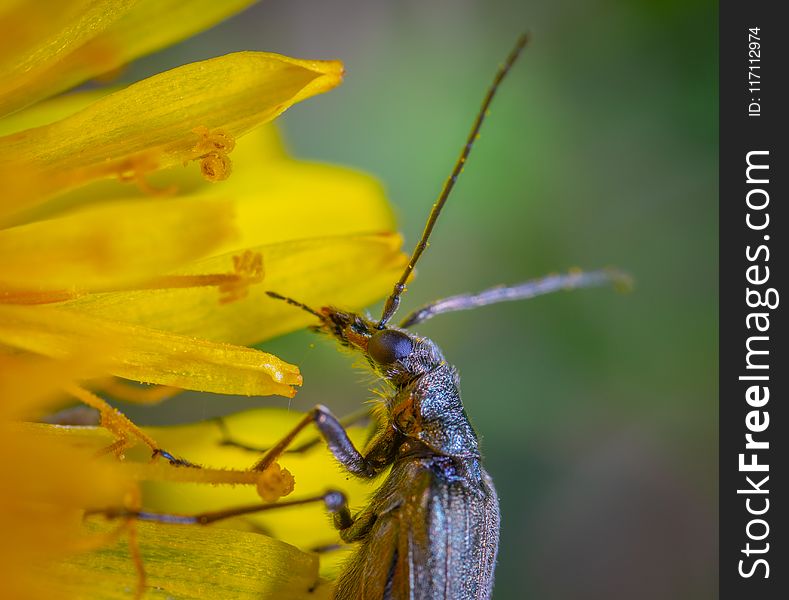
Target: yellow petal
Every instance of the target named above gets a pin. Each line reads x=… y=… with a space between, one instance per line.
x=148 y=355
x=78 y=40
x=330 y=200
x=41 y=468
x=51 y=110
x=168 y=119
x=113 y=244
x=184 y=561
x=30 y=385
x=269 y=188
x=37 y=35
x=255 y=153
x=46 y=484
x=46 y=481
x=348 y=271
x=41 y=462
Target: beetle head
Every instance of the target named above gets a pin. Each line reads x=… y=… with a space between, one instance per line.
x=397 y=355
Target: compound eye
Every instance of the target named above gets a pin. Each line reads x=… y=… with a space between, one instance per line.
x=389 y=345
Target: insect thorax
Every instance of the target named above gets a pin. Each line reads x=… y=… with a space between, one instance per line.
x=430 y=410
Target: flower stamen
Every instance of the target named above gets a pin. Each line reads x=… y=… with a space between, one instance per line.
x=212 y=141
x=248 y=270
x=216 y=166
x=275 y=483
x=212 y=151
x=135 y=168
x=14 y=296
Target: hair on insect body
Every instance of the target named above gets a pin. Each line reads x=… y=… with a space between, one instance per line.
x=431 y=530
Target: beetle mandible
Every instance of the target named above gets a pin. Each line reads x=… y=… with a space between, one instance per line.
x=431 y=531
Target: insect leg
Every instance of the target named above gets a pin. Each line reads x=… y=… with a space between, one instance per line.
x=335 y=502
x=358 y=528
x=336 y=438
x=326 y=548
x=346 y=421
x=121 y=427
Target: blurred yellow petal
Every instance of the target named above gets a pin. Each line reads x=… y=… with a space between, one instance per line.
x=328 y=199
x=149 y=355
x=154 y=24
x=46 y=484
x=51 y=110
x=113 y=244
x=168 y=119
x=34 y=472
x=184 y=562
x=37 y=35
x=46 y=481
x=269 y=187
x=95 y=37
x=349 y=271
x=30 y=385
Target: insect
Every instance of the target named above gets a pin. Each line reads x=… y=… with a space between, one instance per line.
x=432 y=528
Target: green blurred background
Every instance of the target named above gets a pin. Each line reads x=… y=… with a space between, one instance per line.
x=597 y=410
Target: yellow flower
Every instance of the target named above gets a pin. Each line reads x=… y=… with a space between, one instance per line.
x=139 y=230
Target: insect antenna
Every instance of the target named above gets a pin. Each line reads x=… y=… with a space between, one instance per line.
x=393 y=301
x=521 y=291
x=296 y=303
